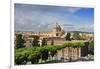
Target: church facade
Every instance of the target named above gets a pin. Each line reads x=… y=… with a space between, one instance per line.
x=56 y=33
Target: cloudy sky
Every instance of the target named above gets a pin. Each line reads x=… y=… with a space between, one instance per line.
x=43 y=17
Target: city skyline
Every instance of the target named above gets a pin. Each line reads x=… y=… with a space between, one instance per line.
x=36 y=18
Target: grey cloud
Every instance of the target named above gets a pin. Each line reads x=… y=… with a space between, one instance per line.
x=68 y=25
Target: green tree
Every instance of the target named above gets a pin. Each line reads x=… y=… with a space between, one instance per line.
x=44 y=42
x=21 y=55
x=91 y=48
x=76 y=36
x=44 y=54
x=34 y=56
x=19 y=42
x=83 y=37
x=68 y=36
x=52 y=42
x=35 y=41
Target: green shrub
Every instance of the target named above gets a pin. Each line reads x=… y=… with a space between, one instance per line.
x=74 y=44
x=35 y=53
x=91 y=48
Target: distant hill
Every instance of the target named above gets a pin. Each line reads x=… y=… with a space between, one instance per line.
x=79 y=32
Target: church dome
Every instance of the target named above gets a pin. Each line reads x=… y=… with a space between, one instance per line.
x=57 y=27
x=57 y=30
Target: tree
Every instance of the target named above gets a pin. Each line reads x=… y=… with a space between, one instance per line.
x=34 y=57
x=44 y=54
x=83 y=37
x=91 y=48
x=52 y=42
x=19 y=59
x=68 y=36
x=35 y=41
x=76 y=36
x=19 y=42
x=44 y=42
x=21 y=55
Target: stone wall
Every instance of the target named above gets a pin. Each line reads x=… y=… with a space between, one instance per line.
x=68 y=52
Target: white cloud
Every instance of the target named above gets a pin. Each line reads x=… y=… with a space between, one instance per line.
x=73 y=9
x=38 y=21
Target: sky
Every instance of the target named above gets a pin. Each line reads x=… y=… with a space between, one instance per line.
x=37 y=18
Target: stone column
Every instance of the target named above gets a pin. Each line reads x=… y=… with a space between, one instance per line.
x=79 y=52
x=67 y=53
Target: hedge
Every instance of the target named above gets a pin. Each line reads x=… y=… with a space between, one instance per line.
x=33 y=54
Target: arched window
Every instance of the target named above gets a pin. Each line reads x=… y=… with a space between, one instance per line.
x=56 y=34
